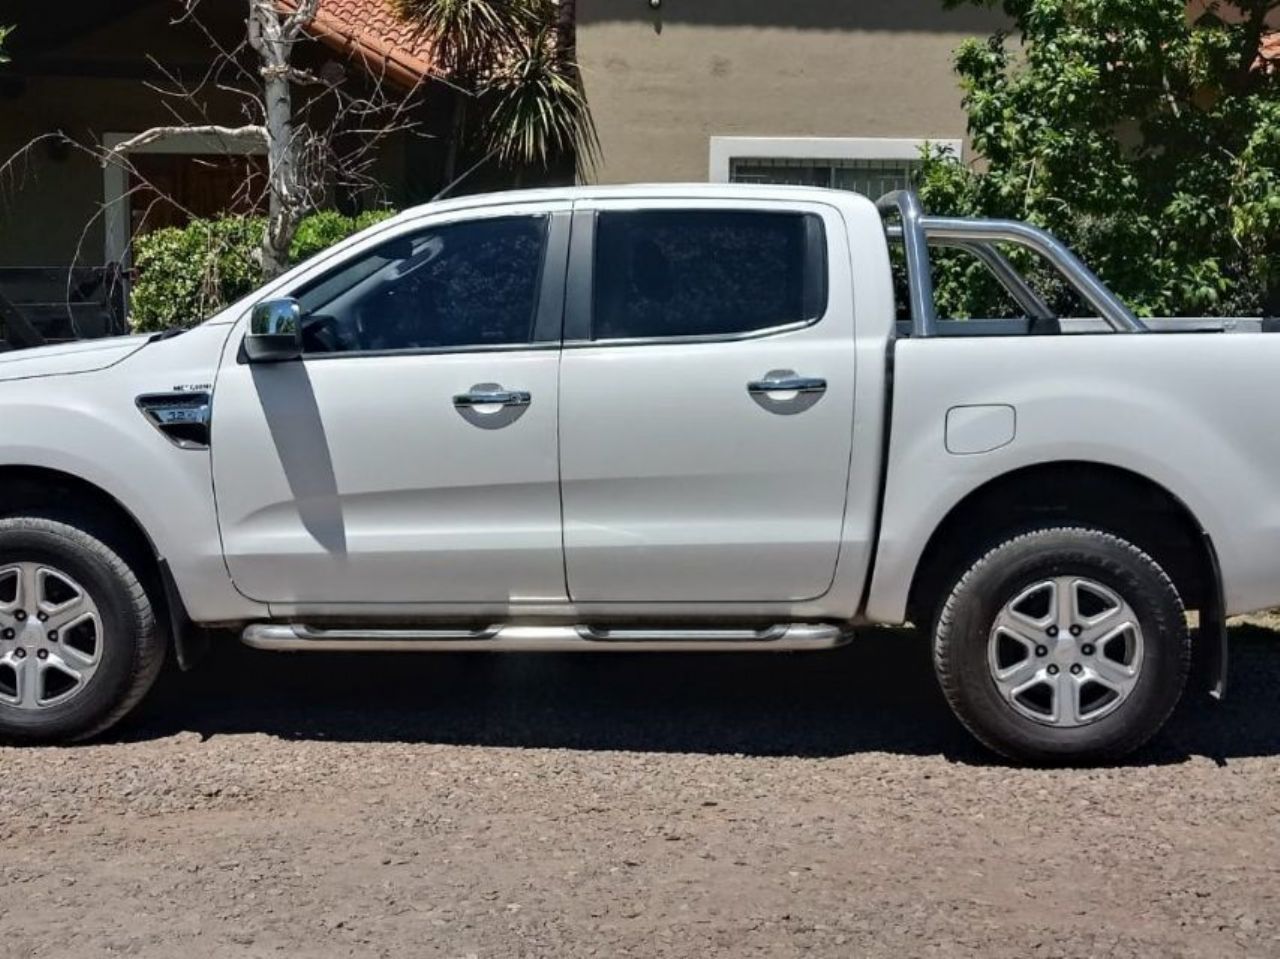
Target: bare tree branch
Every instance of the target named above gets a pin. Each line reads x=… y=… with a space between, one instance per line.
x=299 y=20
x=249 y=134
x=322 y=139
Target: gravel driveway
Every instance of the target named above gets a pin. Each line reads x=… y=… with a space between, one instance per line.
x=820 y=804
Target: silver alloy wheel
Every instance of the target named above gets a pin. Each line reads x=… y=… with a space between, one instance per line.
x=50 y=636
x=1065 y=651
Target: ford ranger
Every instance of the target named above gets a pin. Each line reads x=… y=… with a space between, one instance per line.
x=649 y=418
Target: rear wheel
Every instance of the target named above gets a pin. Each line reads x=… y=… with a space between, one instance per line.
x=79 y=643
x=1063 y=645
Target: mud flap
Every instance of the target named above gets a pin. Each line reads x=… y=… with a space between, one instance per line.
x=1213 y=626
x=190 y=642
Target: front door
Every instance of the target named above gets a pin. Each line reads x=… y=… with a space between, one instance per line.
x=410 y=456
x=706 y=402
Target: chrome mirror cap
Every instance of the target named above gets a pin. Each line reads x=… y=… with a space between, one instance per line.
x=275 y=331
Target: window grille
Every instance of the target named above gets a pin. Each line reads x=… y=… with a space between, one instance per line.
x=871 y=178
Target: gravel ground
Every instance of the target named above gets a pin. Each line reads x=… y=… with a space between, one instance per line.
x=821 y=804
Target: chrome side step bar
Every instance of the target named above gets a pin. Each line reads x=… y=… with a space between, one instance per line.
x=546 y=639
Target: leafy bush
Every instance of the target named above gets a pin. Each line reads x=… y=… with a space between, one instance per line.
x=322 y=230
x=186 y=274
x=319 y=232
x=1148 y=141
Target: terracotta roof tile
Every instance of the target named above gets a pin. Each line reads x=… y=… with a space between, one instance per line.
x=372 y=32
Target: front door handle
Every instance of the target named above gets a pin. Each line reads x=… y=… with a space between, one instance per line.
x=478 y=396
x=787 y=383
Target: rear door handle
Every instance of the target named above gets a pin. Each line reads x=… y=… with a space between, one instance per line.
x=492 y=397
x=789 y=383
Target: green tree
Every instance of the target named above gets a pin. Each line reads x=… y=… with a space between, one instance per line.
x=521 y=98
x=4 y=33
x=1145 y=133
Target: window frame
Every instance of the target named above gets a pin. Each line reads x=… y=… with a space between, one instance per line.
x=548 y=315
x=724 y=150
x=579 y=322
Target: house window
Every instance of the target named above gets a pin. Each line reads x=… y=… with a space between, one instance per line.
x=871 y=166
x=869 y=177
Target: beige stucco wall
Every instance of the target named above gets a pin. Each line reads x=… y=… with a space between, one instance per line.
x=828 y=68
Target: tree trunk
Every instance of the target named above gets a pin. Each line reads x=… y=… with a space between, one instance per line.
x=273 y=35
x=283 y=208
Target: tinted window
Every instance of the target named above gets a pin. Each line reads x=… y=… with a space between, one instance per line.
x=706 y=273
x=454 y=286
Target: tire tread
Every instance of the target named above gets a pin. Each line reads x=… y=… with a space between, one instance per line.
x=945 y=652
x=148 y=644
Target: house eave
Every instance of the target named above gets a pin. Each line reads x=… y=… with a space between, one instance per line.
x=381 y=61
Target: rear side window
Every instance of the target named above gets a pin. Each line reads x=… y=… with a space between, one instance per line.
x=663 y=274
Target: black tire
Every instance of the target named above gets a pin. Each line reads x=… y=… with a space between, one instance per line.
x=965 y=622
x=132 y=645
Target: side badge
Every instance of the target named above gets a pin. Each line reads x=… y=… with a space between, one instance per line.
x=182 y=417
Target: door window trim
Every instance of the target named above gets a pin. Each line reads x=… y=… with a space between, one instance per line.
x=579 y=300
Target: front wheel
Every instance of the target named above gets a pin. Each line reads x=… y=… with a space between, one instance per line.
x=79 y=642
x=1063 y=645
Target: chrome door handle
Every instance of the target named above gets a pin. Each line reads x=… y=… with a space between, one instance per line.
x=787 y=384
x=477 y=397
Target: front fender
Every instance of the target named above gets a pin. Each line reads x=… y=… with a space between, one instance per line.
x=89 y=426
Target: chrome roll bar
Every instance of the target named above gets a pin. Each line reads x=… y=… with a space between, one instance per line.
x=915 y=243
x=1013 y=282
x=979 y=237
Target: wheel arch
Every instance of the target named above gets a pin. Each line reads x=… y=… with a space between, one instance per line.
x=25 y=488
x=1110 y=497
x=44 y=488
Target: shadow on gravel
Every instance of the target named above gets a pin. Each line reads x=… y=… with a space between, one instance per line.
x=877 y=694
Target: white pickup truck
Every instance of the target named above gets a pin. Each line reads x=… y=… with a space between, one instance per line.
x=650 y=418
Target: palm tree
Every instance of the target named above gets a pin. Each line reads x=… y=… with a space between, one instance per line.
x=515 y=62
x=4 y=32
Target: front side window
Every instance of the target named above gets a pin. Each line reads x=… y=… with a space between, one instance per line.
x=455 y=286
x=662 y=273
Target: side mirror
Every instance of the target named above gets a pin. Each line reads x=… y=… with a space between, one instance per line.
x=275 y=332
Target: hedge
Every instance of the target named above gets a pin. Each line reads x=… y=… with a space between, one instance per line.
x=186 y=274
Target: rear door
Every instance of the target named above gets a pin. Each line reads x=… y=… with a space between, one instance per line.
x=706 y=401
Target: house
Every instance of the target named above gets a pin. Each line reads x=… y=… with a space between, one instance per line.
x=803 y=91
x=810 y=92
x=91 y=77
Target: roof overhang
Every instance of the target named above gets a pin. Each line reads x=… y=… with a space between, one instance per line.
x=380 y=57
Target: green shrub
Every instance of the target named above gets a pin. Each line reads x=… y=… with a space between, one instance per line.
x=319 y=232
x=186 y=274
x=322 y=230
x=371 y=217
